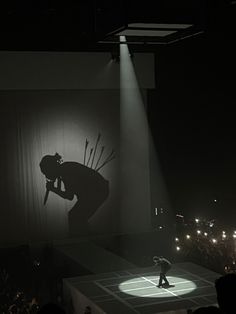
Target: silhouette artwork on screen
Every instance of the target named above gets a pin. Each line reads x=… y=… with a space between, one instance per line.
x=82 y=181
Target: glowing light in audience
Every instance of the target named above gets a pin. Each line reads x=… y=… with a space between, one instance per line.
x=223 y=235
x=197 y=220
x=176 y=239
x=188 y=236
x=177 y=248
x=234 y=236
x=214 y=241
x=198 y=231
x=205 y=234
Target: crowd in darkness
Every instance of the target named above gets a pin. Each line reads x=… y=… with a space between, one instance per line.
x=207 y=243
x=31 y=279
x=225 y=291
x=14 y=302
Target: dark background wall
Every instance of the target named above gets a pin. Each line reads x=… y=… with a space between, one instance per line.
x=193 y=123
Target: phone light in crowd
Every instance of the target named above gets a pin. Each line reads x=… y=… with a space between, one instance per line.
x=177 y=248
x=235 y=232
x=214 y=241
x=197 y=220
x=234 y=236
x=188 y=236
x=198 y=231
x=205 y=234
x=223 y=235
x=176 y=239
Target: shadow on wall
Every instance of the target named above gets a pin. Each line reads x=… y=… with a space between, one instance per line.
x=81 y=180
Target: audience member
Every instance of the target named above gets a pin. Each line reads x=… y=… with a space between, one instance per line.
x=225 y=290
x=207 y=309
x=51 y=308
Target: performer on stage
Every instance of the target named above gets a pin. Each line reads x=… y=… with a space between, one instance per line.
x=165 y=267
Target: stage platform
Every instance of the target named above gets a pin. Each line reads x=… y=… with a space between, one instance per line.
x=135 y=290
x=93 y=257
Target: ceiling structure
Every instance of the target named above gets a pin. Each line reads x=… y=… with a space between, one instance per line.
x=94 y=25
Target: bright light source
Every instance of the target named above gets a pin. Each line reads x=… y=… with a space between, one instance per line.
x=223 y=232
x=215 y=200
x=214 y=241
x=235 y=232
x=205 y=234
x=176 y=239
x=188 y=236
x=234 y=236
x=177 y=248
x=198 y=231
x=224 y=236
x=179 y=215
x=197 y=220
x=160 y=227
x=122 y=39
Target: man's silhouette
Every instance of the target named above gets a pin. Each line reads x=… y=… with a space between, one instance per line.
x=165 y=267
x=80 y=181
x=226 y=291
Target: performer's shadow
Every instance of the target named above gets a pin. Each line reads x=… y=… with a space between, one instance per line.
x=82 y=181
x=168 y=286
x=94 y=190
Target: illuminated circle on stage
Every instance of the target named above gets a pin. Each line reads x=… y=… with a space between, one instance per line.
x=146 y=287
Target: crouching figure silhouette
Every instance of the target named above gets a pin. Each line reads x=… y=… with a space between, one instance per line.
x=72 y=179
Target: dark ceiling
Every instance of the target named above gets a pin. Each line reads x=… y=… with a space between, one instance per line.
x=75 y=26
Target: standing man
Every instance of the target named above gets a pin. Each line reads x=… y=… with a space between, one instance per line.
x=165 y=267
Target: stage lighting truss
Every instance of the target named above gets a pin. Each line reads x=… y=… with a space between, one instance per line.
x=152 y=33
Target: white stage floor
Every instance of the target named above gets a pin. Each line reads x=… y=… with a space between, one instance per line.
x=134 y=290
